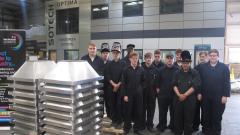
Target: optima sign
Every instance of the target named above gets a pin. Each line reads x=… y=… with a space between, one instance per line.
x=67 y=3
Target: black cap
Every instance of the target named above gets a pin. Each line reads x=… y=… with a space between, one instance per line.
x=169 y=55
x=116 y=47
x=186 y=56
x=105 y=47
x=131 y=45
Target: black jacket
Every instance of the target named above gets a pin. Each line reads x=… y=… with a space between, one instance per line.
x=215 y=80
x=159 y=65
x=115 y=70
x=132 y=80
x=97 y=63
x=185 y=80
x=165 y=79
x=150 y=76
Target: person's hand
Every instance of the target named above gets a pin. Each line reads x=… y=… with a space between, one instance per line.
x=114 y=85
x=125 y=98
x=224 y=100
x=158 y=90
x=182 y=97
x=199 y=97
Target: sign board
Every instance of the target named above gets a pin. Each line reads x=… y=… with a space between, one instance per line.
x=12 y=56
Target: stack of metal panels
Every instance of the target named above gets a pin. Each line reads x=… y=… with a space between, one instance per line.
x=70 y=100
x=25 y=96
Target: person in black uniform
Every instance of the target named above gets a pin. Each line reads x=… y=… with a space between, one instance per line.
x=165 y=93
x=95 y=61
x=177 y=63
x=105 y=57
x=114 y=75
x=157 y=59
x=149 y=91
x=203 y=58
x=186 y=81
x=215 y=91
x=130 y=49
x=132 y=81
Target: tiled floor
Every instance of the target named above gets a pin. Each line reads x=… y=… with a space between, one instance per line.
x=231 y=119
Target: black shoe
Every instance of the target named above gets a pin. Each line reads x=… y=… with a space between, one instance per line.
x=161 y=129
x=150 y=129
x=138 y=133
x=195 y=129
x=118 y=126
x=125 y=132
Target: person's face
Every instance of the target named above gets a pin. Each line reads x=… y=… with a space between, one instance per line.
x=148 y=60
x=92 y=50
x=134 y=60
x=186 y=66
x=169 y=61
x=202 y=58
x=157 y=57
x=178 y=57
x=130 y=49
x=105 y=55
x=213 y=57
x=116 y=55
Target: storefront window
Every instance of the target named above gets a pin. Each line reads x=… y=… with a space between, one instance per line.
x=67 y=21
x=132 y=8
x=171 y=6
x=99 y=11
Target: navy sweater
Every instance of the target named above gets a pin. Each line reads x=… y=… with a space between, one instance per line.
x=215 y=80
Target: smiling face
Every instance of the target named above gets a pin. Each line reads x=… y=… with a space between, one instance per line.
x=213 y=57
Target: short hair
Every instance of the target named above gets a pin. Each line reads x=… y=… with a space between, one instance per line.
x=157 y=51
x=132 y=54
x=92 y=44
x=148 y=55
x=178 y=51
x=203 y=53
x=213 y=51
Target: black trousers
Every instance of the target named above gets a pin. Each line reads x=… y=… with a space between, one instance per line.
x=106 y=102
x=197 y=117
x=213 y=110
x=115 y=106
x=133 y=112
x=149 y=104
x=165 y=103
x=183 y=115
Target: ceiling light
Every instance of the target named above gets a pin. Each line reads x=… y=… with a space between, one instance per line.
x=96 y=9
x=131 y=3
x=104 y=8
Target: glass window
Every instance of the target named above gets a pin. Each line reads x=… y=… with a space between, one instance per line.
x=171 y=6
x=99 y=11
x=132 y=8
x=67 y=21
x=71 y=54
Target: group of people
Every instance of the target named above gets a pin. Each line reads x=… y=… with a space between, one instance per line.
x=132 y=88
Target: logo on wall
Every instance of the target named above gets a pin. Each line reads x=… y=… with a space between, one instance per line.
x=15 y=41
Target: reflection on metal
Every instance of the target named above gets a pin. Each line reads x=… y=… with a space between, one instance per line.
x=25 y=93
x=70 y=100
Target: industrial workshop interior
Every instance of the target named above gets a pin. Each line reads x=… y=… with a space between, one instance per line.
x=119 y=67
